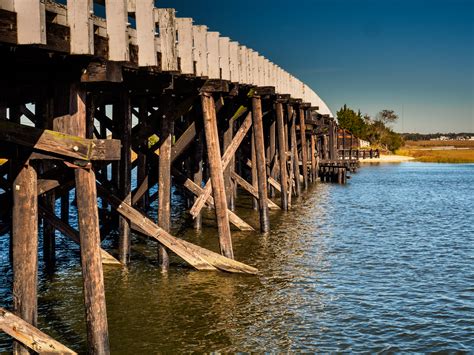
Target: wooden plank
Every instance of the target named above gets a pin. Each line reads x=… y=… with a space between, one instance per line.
x=197 y=257
x=29 y=335
x=68 y=231
x=252 y=190
x=117 y=19
x=167 y=28
x=30 y=21
x=146 y=29
x=226 y=158
x=213 y=70
x=200 y=50
x=185 y=44
x=217 y=175
x=24 y=241
x=81 y=26
x=59 y=143
x=234 y=62
x=243 y=65
x=224 y=57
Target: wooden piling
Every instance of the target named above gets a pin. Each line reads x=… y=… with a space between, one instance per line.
x=164 y=185
x=260 y=163
x=217 y=175
x=294 y=150
x=88 y=221
x=25 y=247
x=125 y=169
x=282 y=156
x=304 y=149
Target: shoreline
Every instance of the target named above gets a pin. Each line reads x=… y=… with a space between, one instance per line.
x=387 y=159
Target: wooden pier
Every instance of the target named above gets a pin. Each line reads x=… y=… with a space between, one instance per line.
x=86 y=98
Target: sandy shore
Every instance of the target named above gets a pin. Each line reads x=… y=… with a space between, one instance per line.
x=387 y=159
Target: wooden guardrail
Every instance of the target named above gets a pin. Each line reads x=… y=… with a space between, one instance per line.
x=135 y=33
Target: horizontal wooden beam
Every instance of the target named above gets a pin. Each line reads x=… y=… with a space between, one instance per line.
x=59 y=143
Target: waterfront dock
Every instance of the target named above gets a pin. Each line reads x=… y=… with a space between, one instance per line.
x=86 y=99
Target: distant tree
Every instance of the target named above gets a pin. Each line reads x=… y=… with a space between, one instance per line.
x=350 y=120
x=387 y=117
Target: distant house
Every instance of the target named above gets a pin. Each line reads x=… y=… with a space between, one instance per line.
x=363 y=144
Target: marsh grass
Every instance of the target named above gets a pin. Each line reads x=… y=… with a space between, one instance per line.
x=462 y=151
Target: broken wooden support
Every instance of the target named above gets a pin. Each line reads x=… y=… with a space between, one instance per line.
x=217 y=175
x=261 y=165
x=25 y=246
x=197 y=257
x=29 y=335
x=61 y=144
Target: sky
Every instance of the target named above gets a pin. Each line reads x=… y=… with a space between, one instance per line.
x=413 y=56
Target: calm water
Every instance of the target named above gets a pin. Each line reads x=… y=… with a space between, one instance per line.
x=385 y=263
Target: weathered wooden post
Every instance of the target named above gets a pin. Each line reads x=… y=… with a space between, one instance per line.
x=197 y=174
x=216 y=172
x=164 y=185
x=294 y=149
x=260 y=163
x=282 y=155
x=304 y=149
x=88 y=221
x=25 y=247
x=125 y=170
x=227 y=140
x=313 y=157
x=142 y=164
x=253 y=156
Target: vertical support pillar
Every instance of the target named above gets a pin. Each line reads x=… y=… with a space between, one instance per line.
x=304 y=149
x=217 y=175
x=164 y=186
x=261 y=165
x=142 y=167
x=332 y=143
x=282 y=156
x=197 y=174
x=313 y=157
x=294 y=149
x=227 y=139
x=88 y=221
x=25 y=247
x=254 y=168
x=125 y=170
x=272 y=152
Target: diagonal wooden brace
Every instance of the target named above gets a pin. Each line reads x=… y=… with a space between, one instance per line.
x=226 y=159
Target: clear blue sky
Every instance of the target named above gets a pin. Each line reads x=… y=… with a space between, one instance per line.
x=413 y=56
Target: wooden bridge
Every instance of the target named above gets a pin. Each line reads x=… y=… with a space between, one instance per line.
x=87 y=98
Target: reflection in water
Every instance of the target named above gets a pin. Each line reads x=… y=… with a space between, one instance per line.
x=384 y=263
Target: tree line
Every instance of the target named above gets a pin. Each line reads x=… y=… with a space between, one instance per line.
x=375 y=130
